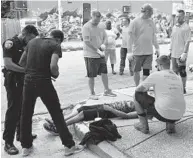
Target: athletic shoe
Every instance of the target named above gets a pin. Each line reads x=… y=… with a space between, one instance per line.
x=109 y=93
x=51 y=129
x=11 y=149
x=27 y=151
x=73 y=150
x=93 y=97
x=170 y=128
x=120 y=73
x=141 y=128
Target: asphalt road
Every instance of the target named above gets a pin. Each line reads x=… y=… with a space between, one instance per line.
x=72 y=84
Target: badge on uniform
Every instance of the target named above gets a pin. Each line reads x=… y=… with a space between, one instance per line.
x=8 y=44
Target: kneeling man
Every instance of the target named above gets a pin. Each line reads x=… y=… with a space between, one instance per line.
x=168 y=105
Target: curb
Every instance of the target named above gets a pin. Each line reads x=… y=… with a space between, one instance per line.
x=103 y=148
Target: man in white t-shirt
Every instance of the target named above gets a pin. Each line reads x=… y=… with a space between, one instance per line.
x=169 y=103
x=142 y=37
x=94 y=40
x=179 y=47
x=123 y=51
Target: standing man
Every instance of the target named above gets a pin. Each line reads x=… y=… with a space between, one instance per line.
x=142 y=37
x=180 y=40
x=94 y=40
x=169 y=103
x=41 y=58
x=14 y=74
x=123 y=52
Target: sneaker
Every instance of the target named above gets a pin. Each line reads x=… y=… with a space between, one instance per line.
x=170 y=128
x=109 y=93
x=73 y=150
x=141 y=128
x=11 y=149
x=131 y=73
x=114 y=73
x=93 y=97
x=27 y=151
x=120 y=73
x=51 y=129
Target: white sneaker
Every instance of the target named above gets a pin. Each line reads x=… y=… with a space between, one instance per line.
x=27 y=151
x=93 y=97
x=73 y=150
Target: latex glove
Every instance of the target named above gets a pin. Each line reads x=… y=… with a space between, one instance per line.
x=191 y=68
x=8 y=44
x=103 y=47
x=183 y=57
x=102 y=54
x=157 y=53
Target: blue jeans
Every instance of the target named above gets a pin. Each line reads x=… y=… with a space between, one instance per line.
x=123 y=55
x=42 y=87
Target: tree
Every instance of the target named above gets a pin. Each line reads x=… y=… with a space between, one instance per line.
x=6 y=11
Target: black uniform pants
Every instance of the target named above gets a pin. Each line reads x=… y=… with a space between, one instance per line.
x=36 y=87
x=14 y=102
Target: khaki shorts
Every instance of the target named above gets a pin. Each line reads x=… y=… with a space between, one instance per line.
x=176 y=63
x=142 y=61
x=95 y=66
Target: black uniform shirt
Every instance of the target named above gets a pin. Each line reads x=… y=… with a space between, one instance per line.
x=13 y=48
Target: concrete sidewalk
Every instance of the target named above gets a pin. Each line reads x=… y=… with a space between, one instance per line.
x=135 y=144
x=157 y=144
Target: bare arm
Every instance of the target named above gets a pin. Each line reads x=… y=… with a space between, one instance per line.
x=23 y=60
x=10 y=65
x=54 y=65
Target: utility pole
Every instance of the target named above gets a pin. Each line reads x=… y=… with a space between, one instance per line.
x=59 y=15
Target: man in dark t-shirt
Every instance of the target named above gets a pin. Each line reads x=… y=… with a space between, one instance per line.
x=41 y=63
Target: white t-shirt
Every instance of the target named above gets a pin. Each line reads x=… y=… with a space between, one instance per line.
x=111 y=36
x=96 y=36
x=180 y=35
x=169 y=97
x=143 y=36
x=125 y=34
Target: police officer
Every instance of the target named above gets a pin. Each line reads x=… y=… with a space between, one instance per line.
x=14 y=76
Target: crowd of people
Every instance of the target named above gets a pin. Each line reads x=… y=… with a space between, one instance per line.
x=31 y=62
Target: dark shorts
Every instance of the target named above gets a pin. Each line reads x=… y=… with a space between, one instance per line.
x=177 y=64
x=95 y=66
x=92 y=112
x=147 y=103
x=142 y=61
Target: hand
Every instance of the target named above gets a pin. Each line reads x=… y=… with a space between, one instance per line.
x=157 y=52
x=102 y=54
x=191 y=68
x=183 y=57
x=103 y=47
x=8 y=44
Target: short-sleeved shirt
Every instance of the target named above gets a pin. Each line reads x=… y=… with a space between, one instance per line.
x=15 y=51
x=179 y=37
x=125 y=34
x=169 y=98
x=39 y=53
x=96 y=36
x=143 y=31
x=111 y=39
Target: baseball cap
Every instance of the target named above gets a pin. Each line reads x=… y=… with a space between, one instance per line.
x=146 y=7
